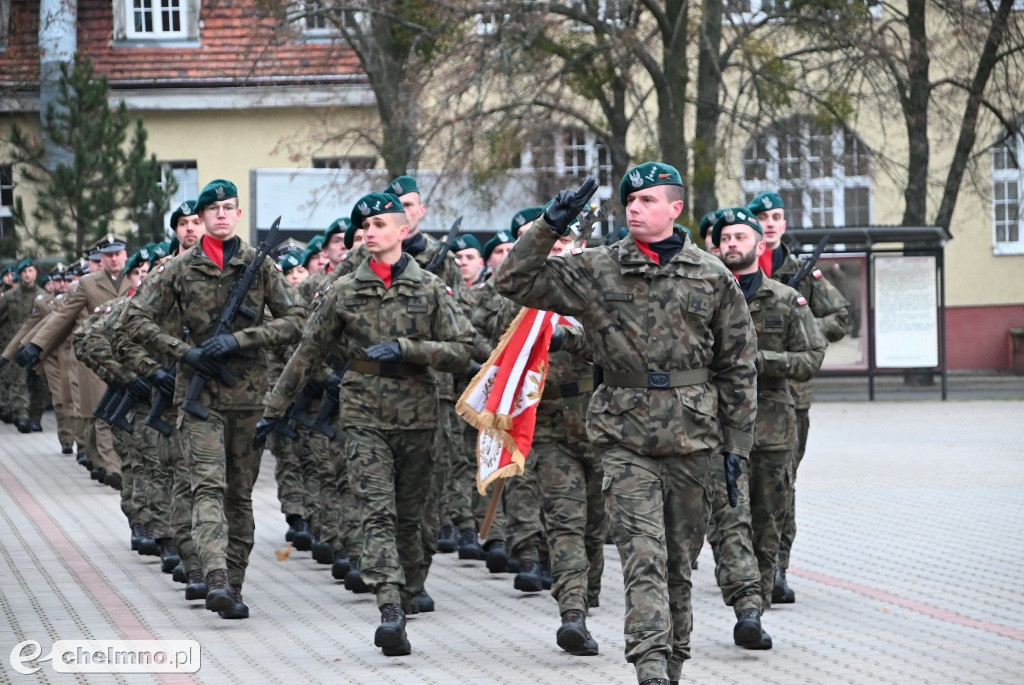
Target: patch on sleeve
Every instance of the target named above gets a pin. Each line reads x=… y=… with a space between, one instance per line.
x=96 y=311
x=449 y=290
x=817 y=273
x=801 y=300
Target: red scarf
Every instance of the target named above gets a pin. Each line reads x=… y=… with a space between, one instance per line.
x=383 y=270
x=765 y=261
x=646 y=249
x=214 y=249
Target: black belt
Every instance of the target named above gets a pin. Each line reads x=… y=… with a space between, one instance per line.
x=554 y=391
x=656 y=379
x=387 y=369
x=772 y=383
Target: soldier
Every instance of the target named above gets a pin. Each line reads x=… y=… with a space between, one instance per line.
x=335 y=244
x=469 y=253
x=832 y=311
x=314 y=259
x=192 y=290
x=93 y=290
x=15 y=308
x=672 y=334
x=392 y=320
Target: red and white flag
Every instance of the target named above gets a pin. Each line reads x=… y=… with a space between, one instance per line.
x=501 y=400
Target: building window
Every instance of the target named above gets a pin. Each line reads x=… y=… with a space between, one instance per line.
x=157 y=19
x=6 y=200
x=186 y=179
x=822 y=173
x=354 y=163
x=1007 y=184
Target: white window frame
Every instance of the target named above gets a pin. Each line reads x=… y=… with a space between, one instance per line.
x=812 y=189
x=7 y=211
x=1010 y=178
x=156 y=9
x=186 y=173
x=758 y=13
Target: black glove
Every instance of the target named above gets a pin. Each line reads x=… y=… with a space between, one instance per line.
x=139 y=389
x=28 y=356
x=198 y=360
x=384 y=352
x=264 y=428
x=557 y=339
x=568 y=204
x=220 y=346
x=163 y=381
x=732 y=476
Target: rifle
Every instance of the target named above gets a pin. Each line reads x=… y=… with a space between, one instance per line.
x=153 y=419
x=118 y=417
x=298 y=411
x=434 y=265
x=233 y=307
x=109 y=400
x=808 y=264
x=322 y=422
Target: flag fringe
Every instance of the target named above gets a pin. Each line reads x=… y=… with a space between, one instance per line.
x=507 y=471
x=487 y=419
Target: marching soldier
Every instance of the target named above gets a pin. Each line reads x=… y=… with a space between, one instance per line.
x=671 y=332
x=16 y=308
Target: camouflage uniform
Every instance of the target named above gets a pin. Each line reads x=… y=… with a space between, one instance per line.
x=389 y=410
x=682 y=328
x=790 y=347
x=15 y=308
x=832 y=311
x=222 y=464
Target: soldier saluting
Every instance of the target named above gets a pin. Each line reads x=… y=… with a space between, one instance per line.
x=193 y=290
x=671 y=331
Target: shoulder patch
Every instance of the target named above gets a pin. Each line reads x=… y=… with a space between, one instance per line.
x=39 y=297
x=96 y=311
x=817 y=273
x=449 y=290
x=107 y=310
x=801 y=300
x=160 y=269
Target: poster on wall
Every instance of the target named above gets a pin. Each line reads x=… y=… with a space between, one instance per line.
x=848 y=273
x=906 y=317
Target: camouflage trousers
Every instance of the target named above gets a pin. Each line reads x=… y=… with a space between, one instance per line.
x=222 y=468
x=770 y=488
x=132 y=503
x=291 y=490
x=9 y=376
x=387 y=471
x=657 y=512
x=348 y=524
x=313 y=446
x=28 y=393
x=443 y=446
x=145 y=478
x=730 y=534
x=569 y=478
x=181 y=494
x=803 y=425
x=460 y=481
x=524 y=525
x=17 y=392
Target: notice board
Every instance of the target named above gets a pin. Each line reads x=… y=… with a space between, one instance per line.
x=906 y=315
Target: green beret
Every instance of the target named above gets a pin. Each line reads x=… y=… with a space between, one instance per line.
x=159 y=251
x=217 y=190
x=136 y=260
x=186 y=208
x=25 y=263
x=9 y=269
x=466 y=241
x=732 y=216
x=173 y=248
x=684 y=229
x=43 y=280
x=402 y=185
x=313 y=247
x=706 y=222
x=500 y=238
x=289 y=261
x=350 y=234
x=765 y=201
x=374 y=204
x=339 y=225
x=525 y=216
x=648 y=175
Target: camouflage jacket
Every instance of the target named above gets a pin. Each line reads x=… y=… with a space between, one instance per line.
x=357 y=311
x=41 y=306
x=827 y=304
x=95 y=345
x=641 y=317
x=790 y=347
x=128 y=351
x=190 y=294
x=15 y=307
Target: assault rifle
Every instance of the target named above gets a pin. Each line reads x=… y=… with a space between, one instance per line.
x=160 y=402
x=109 y=400
x=234 y=306
x=807 y=265
x=434 y=265
x=322 y=422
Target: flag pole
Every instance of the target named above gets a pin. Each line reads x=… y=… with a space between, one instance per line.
x=492 y=508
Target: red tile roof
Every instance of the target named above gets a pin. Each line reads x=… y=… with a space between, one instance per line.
x=238 y=45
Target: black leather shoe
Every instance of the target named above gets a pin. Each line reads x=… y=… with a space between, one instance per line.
x=782 y=593
x=219 y=595
x=322 y=553
x=66 y=448
x=573 y=636
x=529 y=578
x=239 y=610
x=303 y=537
x=390 y=634
x=469 y=545
x=423 y=602
x=354 y=581
x=497 y=556
x=748 y=633
x=169 y=558
x=195 y=587
x=113 y=480
x=340 y=566
x=35 y=426
x=447 y=539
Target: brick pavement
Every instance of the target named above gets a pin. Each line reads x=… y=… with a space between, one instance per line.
x=906 y=568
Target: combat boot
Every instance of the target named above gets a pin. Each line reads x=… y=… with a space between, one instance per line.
x=423 y=602
x=35 y=426
x=340 y=566
x=322 y=553
x=66 y=448
x=303 y=537
x=137 y=533
x=447 y=539
x=573 y=635
x=83 y=459
x=656 y=681
x=147 y=543
x=529 y=578
x=169 y=558
x=497 y=556
x=113 y=480
x=6 y=416
x=178 y=574
x=195 y=587
x=292 y=519
x=469 y=545
x=747 y=633
x=98 y=474
x=23 y=425
x=219 y=595
x=354 y=580
x=239 y=610
x=546 y=579
x=593 y=601
x=782 y=593
x=390 y=635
